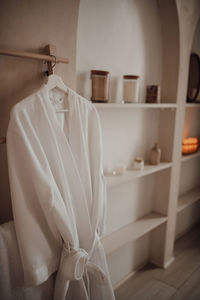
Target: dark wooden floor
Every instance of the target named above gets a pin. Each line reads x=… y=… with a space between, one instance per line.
x=180 y=281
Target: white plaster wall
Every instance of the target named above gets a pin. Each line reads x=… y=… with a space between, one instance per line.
x=123 y=37
x=128 y=133
x=30 y=26
x=187 y=218
x=129 y=201
x=191 y=124
x=190 y=175
x=190 y=170
x=196 y=40
x=133 y=256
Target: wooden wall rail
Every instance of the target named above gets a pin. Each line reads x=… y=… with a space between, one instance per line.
x=36 y=56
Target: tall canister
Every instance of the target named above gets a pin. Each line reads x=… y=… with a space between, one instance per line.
x=100 y=85
x=131 y=88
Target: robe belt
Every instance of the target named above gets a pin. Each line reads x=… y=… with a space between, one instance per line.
x=75 y=264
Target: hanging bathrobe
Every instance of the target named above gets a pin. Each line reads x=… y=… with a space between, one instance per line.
x=58 y=194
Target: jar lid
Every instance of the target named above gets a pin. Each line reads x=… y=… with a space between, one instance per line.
x=131 y=76
x=99 y=72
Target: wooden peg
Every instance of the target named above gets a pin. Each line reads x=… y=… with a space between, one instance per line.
x=50 y=50
x=2 y=140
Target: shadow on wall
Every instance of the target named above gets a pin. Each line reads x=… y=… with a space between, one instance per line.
x=151 y=35
x=22 y=78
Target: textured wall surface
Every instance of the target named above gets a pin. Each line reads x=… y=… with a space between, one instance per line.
x=29 y=26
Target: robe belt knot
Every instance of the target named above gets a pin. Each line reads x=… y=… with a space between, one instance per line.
x=75 y=264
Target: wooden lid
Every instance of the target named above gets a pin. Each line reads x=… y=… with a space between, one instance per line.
x=99 y=72
x=131 y=76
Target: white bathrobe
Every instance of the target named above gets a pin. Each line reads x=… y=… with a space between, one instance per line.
x=58 y=194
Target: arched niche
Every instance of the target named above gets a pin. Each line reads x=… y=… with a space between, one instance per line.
x=129 y=37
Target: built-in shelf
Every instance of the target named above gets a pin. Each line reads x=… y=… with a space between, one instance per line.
x=193 y=105
x=188 y=199
x=112 y=180
x=136 y=105
x=132 y=231
x=190 y=156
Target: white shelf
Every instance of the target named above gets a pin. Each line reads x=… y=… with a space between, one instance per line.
x=188 y=199
x=190 y=156
x=136 y=105
x=133 y=174
x=132 y=231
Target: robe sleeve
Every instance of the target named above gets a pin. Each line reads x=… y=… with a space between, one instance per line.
x=99 y=193
x=32 y=199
